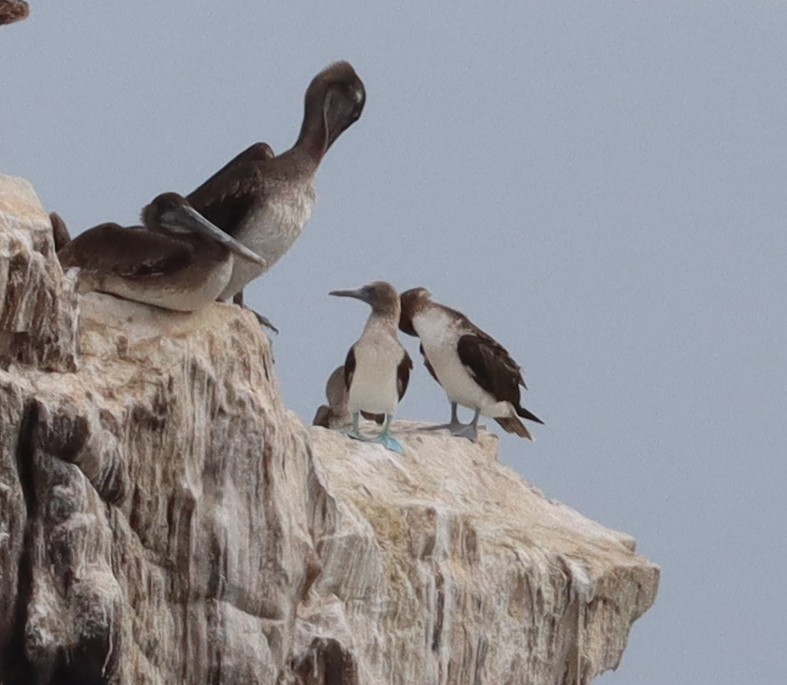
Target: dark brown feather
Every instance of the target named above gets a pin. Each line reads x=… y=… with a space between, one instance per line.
x=491 y=366
x=60 y=233
x=323 y=416
x=403 y=375
x=120 y=249
x=228 y=199
x=493 y=369
x=256 y=152
x=349 y=367
x=511 y=424
x=428 y=365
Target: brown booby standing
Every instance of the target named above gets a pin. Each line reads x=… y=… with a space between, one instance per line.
x=179 y=261
x=377 y=368
x=472 y=367
x=335 y=414
x=264 y=201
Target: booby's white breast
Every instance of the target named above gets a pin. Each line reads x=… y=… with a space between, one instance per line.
x=374 y=386
x=439 y=332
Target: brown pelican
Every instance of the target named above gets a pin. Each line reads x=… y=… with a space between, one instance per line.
x=179 y=261
x=264 y=201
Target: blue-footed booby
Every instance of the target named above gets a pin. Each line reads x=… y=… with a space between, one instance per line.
x=335 y=414
x=473 y=368
x=264 y=201
x=377 y=368
x=178 y=261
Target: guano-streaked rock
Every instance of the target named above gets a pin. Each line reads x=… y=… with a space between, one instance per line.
x=165 y=519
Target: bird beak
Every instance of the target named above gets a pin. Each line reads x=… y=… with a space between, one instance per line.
x=194 y=221
x=357 y=294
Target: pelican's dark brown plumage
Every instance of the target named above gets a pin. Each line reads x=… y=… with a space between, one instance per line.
x=177 y=261
x=264 y=201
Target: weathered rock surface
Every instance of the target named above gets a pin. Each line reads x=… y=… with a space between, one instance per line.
x=165 y=519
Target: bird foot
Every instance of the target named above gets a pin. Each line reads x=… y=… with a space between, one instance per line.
x=265 y=322
x=468 y=431
x=453 y=427
x=389 y=442
x=355 y=435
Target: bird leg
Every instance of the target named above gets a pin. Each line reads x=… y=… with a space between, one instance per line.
x=265 y=322
x=355 y=432
x=386 y=439
x=454 y=426
x=470 y=431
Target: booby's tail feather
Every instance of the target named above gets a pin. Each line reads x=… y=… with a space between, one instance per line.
x=526 y=414
x=511 y=424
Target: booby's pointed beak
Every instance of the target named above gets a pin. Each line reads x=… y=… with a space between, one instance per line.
x=187 y=217
x=359 y=294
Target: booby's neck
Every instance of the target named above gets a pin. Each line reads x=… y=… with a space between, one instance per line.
x=382 y=322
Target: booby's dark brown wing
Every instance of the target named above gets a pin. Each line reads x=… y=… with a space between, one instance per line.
x=349 y=367
x=491 y=366
x=127 y=252
x=493 y=369
x=403 y=375
x=428 y=365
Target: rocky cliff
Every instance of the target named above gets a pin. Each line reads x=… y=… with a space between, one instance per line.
x=165 y=519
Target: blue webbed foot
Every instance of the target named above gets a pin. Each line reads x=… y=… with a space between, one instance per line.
x=354 y=434
x=389 y=442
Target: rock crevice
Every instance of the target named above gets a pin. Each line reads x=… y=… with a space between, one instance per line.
x=165 y=518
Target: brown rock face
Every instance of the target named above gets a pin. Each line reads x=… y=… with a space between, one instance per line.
x=165 y=519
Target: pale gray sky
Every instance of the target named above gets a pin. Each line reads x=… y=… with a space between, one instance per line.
x=599 y=185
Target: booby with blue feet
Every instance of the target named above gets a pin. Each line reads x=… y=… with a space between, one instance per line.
x=473 y=368
x=377 y=368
